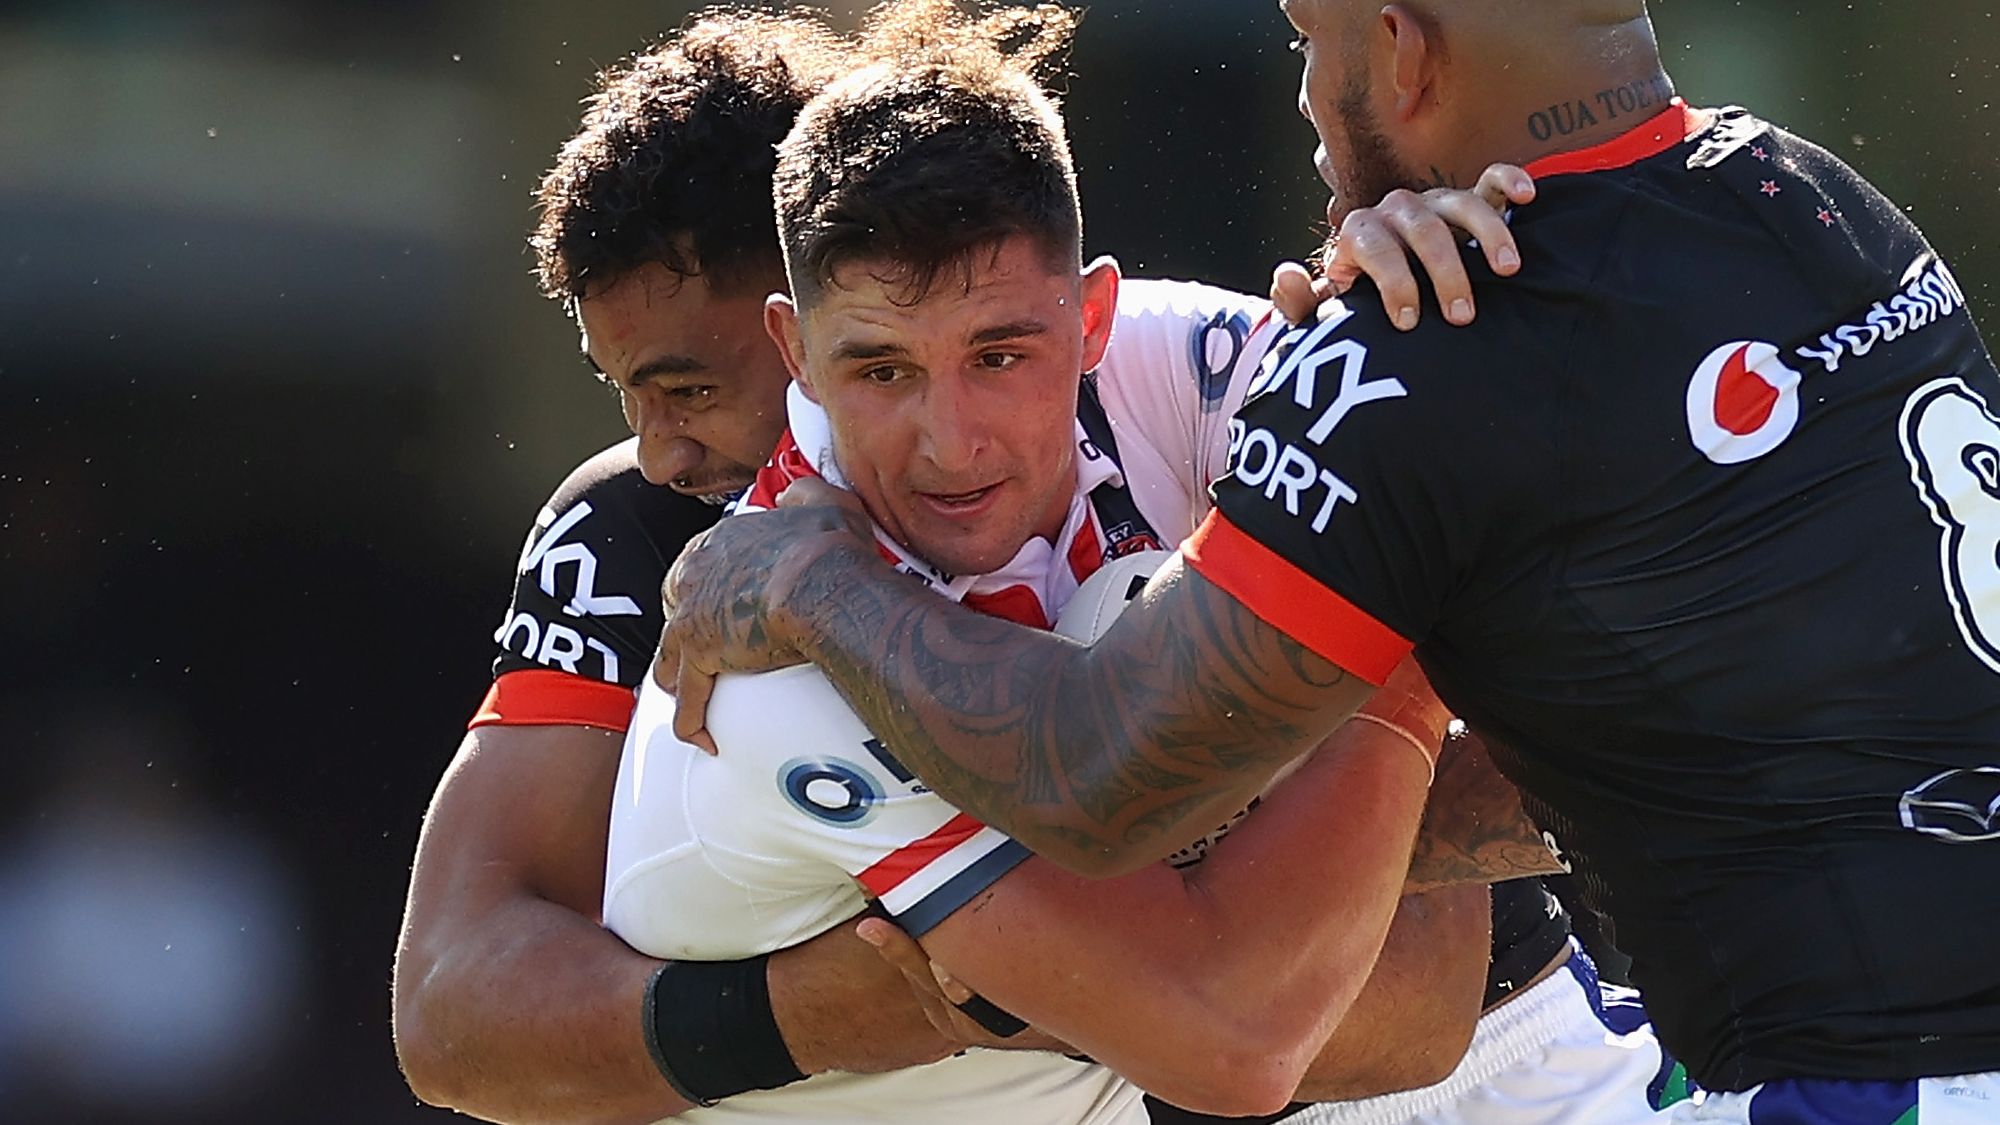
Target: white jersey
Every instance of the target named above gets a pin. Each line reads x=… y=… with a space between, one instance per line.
x=804 y=817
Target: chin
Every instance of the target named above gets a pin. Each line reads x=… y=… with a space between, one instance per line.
x=959 y=558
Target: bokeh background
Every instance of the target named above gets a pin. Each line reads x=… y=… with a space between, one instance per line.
x=278 y=402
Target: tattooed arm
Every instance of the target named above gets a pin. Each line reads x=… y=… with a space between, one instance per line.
x=1474 y=829
x=1102 y=758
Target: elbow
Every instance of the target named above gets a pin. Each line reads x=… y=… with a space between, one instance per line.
x=1441 y=1055
x=1428 y=1065
x=422 y=1053
x=1243 y=1064
x=1238 y=1080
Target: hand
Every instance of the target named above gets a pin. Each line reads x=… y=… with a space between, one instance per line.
x=1377 y=241
x=840 y=1007
x=1474 y=828
x=722 y=595
x=940 y=994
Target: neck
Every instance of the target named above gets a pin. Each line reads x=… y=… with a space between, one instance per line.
x=1595 y=84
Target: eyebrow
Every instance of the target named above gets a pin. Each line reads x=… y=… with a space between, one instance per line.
x=854 y=349
x=847 y=350
x=1017 y=330
x=660 y=367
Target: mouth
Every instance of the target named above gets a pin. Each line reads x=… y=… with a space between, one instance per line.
x=712 y=492
x=960 y=505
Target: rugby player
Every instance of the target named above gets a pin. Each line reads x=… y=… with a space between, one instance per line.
x=932 y=237
x=511 y=1003
x=1699 y=520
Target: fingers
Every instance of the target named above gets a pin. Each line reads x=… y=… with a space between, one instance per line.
x=1469 y=212
x=903 y=952
x=1298 y=295
x=808 y=491
x=949 y=986
x=691 y=689
x=1502 y=185
x=1377 y=241
x=900 y=950
x=1292 y=292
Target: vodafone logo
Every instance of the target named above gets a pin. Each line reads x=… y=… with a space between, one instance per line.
x=1742 y=403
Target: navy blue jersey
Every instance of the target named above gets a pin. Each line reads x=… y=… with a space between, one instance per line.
x=1699 y=525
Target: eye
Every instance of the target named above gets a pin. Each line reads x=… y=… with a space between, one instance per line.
x=999 y=361
x=882 y=373
x=691 y=395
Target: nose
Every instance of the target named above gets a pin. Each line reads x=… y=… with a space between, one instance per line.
x=664 y=459
x=953 y=433
x=666 y=453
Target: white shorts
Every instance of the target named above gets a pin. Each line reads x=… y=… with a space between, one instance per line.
x=1568 y=1051
x=1972 y=1099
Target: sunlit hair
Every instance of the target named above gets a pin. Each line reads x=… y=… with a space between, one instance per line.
x=674 y=158
x=939 y=146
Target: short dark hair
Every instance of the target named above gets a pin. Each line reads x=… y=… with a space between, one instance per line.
x=940 y=145
x=674 y=158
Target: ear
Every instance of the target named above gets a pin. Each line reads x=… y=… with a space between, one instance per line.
x=1413 y=60
x=1099 y=298
x=781 y=323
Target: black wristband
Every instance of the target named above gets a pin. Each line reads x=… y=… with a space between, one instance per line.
x=993 y=1017
x=710 y=1030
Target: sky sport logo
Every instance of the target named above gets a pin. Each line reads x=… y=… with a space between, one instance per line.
x=1742 y=403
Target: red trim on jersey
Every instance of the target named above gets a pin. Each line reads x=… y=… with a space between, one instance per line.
x=889 y=872
x=1086 y=551
x=1018 y=604
x=788 y=464
x=541 y=697
x=1293 y=601
x=1661 y=132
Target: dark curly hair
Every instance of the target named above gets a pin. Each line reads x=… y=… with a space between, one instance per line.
x=940 y=145
x=674 y=158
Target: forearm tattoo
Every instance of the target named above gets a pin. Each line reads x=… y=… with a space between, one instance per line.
x=1088 y=755
x=1474 y=829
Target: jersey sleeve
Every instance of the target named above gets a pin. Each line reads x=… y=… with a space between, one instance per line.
x=1373 y=475
x=585 y=615
x=822 y=791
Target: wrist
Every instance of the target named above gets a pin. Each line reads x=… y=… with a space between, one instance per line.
x=710 y=1031
x=1418 y=719
x=809 y=580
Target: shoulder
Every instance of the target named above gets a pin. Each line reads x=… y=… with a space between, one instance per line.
x=587 y=583
x=1146 y=298
x=1181 y=351
x=1200 y=329
x=611 y=495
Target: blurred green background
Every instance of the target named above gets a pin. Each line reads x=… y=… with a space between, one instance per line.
x=278 y=402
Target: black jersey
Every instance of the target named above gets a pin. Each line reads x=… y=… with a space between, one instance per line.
x=586 y=612
x=1700 y=525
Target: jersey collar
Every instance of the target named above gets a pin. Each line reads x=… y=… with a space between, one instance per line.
x=1662 y=131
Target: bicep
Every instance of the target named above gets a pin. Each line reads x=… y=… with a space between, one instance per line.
x=522 y=806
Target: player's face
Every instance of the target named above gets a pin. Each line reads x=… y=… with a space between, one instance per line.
x=700 y=383
x=1354 y=157
x=954 y=418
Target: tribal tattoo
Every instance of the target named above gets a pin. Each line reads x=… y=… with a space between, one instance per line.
x=1104 y=758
